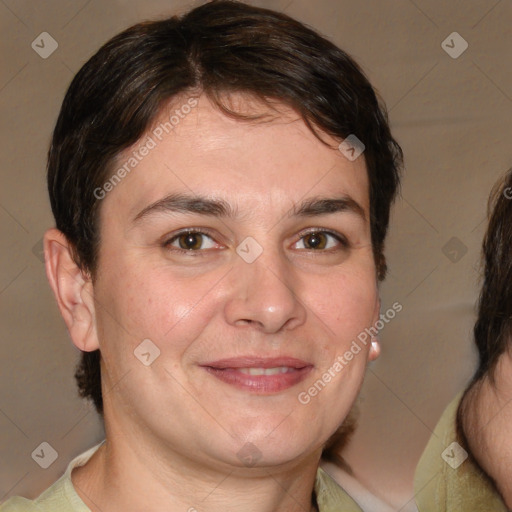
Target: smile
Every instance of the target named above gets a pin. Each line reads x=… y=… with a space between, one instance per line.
x=266 y=371
x=260 y=376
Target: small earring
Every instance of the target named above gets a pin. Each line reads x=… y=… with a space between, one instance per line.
x=375 y=348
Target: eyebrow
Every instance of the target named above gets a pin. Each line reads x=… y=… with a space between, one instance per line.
x=321 y=206
x=181 y=203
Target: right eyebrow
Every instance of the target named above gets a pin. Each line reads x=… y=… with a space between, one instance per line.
x=183 y=203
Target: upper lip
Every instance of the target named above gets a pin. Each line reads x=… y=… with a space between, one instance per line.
x=257 y=362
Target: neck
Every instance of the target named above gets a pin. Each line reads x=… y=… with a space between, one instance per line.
x=133 y=475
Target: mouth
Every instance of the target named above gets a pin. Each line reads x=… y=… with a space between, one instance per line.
x=262 y=376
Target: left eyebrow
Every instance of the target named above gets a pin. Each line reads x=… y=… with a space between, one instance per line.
x=320 y=206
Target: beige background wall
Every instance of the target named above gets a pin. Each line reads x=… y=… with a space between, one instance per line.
x=453 y=118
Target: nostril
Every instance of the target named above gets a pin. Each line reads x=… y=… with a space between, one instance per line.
x=248 y=321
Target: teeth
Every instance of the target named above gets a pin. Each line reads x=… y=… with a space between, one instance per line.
x=266 y=371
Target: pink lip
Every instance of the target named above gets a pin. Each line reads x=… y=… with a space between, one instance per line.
x=229 y=371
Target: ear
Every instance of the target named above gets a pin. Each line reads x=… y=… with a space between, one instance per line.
x=73 y=290
x=374 y=351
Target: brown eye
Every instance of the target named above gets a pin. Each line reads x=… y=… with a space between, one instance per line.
x=190 y=241
x=315 y=241
x=321 y=241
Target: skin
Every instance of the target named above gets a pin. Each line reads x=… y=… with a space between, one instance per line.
x=487 y=425
x=173 y=430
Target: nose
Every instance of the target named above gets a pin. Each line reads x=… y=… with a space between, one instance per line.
x=265 y=295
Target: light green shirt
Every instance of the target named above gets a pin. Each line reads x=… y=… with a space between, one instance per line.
x=455 y=487
x=62 y=497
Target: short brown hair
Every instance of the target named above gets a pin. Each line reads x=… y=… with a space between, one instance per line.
x=216 y=49
x=493 y=327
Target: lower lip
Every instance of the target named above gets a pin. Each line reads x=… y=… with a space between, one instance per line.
x=260 y=384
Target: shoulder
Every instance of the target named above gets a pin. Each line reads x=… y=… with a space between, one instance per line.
x=55 y=499
x=331 y=497
x=353 y=488
x=446 y=479
x=19 y=505
x=59 y=497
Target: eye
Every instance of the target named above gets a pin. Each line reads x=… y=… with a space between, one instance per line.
x=191 y=241
x=320 y=240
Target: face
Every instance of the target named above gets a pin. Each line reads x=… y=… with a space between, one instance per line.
x=487 y=419
x=242 y=251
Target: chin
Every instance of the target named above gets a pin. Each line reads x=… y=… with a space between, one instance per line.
x=277 y=448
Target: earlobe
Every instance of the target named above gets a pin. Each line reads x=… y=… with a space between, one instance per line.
x=374 y=352
x=73 y=290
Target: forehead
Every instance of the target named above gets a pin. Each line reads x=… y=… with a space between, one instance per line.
x=274 y=160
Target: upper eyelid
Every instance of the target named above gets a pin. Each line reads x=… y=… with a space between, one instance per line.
x=167 y=239
x=332 y=232
x=317 y=229
x=200 y=231
x=339 y=237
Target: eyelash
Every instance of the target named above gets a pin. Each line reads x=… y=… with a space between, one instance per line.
x=341 y=239
x=189 y=252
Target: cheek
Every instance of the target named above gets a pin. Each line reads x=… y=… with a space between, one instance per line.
x=151 y=303
x=345 y=304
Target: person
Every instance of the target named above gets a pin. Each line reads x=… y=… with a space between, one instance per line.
x=466 y=464
x=221 y=184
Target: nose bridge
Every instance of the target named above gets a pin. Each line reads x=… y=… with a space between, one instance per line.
x=265 y=293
